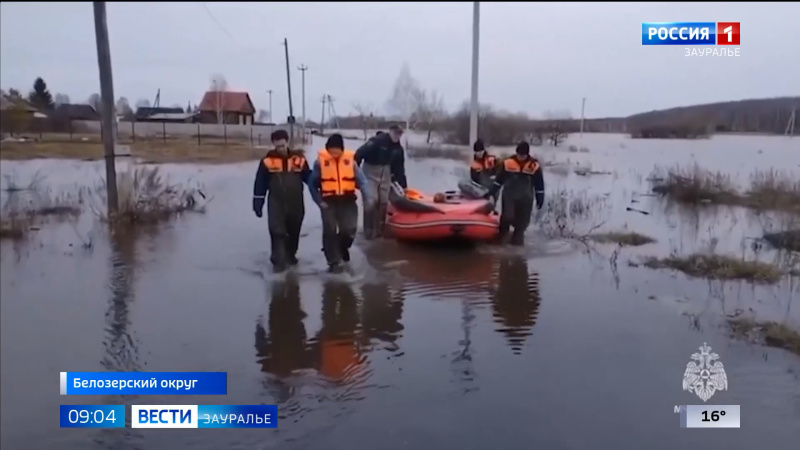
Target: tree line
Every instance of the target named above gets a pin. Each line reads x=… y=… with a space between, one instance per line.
x=424 y=111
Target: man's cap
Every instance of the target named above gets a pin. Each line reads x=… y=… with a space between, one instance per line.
x=523 y=148
x=277 y=135
x=478 y=146
x=335 y=141
x=379 y=133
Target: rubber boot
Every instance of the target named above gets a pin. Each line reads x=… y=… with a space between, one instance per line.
x=369 y=223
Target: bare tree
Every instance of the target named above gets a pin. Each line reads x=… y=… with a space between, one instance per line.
x=366 y=113
x=558 y=114
x=95 y=101
x=142 y=103
x=405 y=89
x=263 y=115
x=124 y=109
x=61 y=99
x=218 y=85
x=430 y=111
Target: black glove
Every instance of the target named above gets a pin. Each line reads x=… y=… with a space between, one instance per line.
x=258 y=206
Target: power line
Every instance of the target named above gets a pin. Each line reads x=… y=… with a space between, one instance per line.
x=219 y=24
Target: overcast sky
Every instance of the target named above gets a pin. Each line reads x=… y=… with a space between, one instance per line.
x=534 y=56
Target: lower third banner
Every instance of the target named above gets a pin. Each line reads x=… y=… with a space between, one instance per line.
x=204 y=416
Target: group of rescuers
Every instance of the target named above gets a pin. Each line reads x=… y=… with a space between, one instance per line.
x=372 y=169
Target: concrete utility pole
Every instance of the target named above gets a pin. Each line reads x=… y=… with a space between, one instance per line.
x=270 y=105
x=322 y=120
x=473 y=110
x=302 y=70
x=289 y=85
x=583 y=108
x=107 y=93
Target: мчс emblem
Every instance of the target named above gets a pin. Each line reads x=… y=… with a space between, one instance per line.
x=705 y=375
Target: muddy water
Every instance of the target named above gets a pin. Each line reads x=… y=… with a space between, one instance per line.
x=551 y=347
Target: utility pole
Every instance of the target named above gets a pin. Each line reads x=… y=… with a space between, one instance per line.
x=289 y=85
x=322 y=120
x=270 y=105
x=302 y=70
x=583 y=108
x=473 y=110
x=107 y=93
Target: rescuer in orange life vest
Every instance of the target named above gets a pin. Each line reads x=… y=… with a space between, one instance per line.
x=483 y=167
x=334 y=180
x=282 y=173
x=521 y=178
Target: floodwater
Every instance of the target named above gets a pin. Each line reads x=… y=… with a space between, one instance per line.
x=555 y=347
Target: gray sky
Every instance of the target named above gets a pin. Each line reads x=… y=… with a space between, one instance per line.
x=534 y=56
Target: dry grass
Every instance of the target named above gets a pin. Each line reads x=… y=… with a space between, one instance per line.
x=145 y=197
x=772 y=334
x=769 y=190
x=772 y=189
x=25 y=210
x=717 y=267
x=624 y=239
x=573 y=216
x=174 y=150
x=786 y=240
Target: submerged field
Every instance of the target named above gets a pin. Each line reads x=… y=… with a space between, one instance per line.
x=418 y=348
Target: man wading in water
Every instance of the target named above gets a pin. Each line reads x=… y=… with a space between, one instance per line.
x=334 y=181
x=383 y=161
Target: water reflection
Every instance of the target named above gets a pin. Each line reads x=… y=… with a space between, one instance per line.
x=283 y=349
x=121 y=351
x=338 y=352
x=515 y=303
x=381 y=314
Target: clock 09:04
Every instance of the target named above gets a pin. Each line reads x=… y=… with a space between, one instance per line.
x=92 y=416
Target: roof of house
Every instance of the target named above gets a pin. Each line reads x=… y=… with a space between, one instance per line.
x=76 y=112
x=149 y=111
x=7 y=103
x=230 y=101
x=171 y=116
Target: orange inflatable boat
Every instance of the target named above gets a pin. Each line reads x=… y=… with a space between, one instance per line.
x=414 y=216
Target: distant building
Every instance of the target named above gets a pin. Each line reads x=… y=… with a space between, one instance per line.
x=158 y=114
x=70 y=112
x=233 y=107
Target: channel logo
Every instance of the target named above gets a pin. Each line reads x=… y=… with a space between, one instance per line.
x=691 y=33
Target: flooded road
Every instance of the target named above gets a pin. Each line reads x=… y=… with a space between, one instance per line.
x=555 y=347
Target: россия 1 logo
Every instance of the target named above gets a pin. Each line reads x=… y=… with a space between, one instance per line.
x=692 y=34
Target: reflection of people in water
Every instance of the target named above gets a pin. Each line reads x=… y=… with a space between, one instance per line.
x=516 y=301
x=283 y=350
x=336 y=350
x=381 y=313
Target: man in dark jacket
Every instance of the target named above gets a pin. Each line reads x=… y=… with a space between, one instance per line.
x=521 y=178
x=483 y=167
x=382 y=159
x=282 y=173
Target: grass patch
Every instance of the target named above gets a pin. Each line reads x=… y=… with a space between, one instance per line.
x=772 y=334
x=173 y=150
x=146 y=197
x=24 y=210
x=786 y=240
x=718 y=267
x=630 y=239
x=573 y=216
x=769 y=190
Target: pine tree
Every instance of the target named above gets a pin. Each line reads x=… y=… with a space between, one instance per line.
x=40 y=97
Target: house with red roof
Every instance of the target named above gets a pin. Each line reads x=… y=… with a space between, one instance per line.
x=226 y=107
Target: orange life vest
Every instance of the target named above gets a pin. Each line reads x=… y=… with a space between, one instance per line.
x=293 y=163
x=528 y=167
x=486 y=163
x=337 y=175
